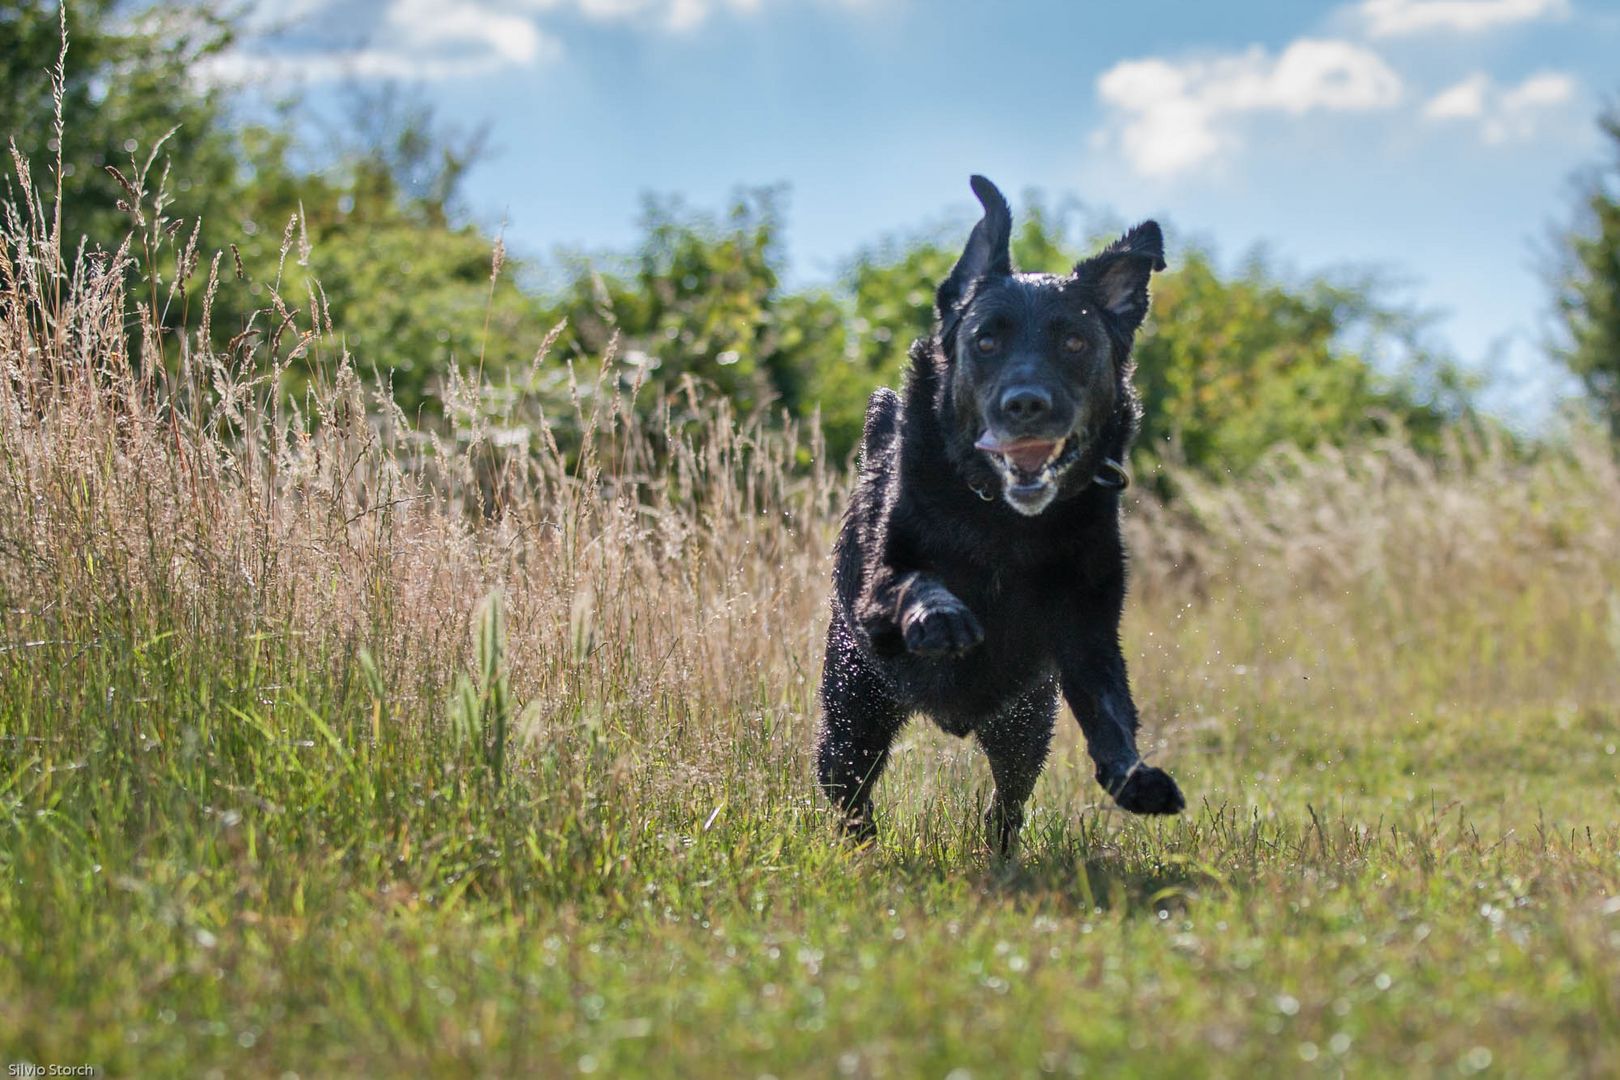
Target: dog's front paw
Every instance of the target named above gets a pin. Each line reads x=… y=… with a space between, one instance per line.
x=941 y=627
x=1146 y=790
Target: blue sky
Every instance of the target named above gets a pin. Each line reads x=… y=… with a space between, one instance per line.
x=1431 y=139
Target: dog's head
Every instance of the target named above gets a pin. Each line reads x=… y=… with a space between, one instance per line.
x=1037 y=366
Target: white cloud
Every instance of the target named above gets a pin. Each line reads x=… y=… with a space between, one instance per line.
x=1170 y=116
x=407 y=40
x=1547 y=88
x=436 y=39
x=1459 y=101
x=1505 y=114
x=1398 y=18
x=273 y=14
x=464 y=26
x=675 y=15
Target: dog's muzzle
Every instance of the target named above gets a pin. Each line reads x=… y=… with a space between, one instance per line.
x=1031 y=469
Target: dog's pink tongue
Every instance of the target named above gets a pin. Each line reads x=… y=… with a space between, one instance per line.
x=1029 y=456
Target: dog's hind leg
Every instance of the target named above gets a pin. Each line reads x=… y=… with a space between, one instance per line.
x=859 y=720
x=1016 y=742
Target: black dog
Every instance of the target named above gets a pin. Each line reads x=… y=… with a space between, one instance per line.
x=980 y=567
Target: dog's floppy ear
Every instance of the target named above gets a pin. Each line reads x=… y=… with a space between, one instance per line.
x=986 y=254
x=1119 y=273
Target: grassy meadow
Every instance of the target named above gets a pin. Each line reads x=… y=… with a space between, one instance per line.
x=332 y=746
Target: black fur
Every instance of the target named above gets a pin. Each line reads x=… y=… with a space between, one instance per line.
x=981 y=570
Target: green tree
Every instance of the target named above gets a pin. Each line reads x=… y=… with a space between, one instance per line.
x=702 y=298
x=1232 y=366
x=368 y=232
x=127 y=87
x=1587 y=283
x=377 y=243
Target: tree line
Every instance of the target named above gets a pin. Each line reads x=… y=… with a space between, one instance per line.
x=370 y=225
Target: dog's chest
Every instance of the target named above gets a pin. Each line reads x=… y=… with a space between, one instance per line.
x=1025 y=575
x=1022 y=608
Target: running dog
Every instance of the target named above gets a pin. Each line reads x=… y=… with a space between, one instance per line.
x=980 y=569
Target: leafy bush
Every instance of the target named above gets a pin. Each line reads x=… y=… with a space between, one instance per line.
x=1587 y=283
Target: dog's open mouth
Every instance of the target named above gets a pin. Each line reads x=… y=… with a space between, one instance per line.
x=1030 y=468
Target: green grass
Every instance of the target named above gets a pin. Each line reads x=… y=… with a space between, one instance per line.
x=229 y=855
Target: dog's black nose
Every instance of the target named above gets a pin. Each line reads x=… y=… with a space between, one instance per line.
x=1025 y=404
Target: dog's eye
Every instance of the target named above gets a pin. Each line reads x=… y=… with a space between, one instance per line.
x=1074 y=343
x=987 y=343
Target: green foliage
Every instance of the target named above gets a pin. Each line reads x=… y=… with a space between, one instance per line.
x=409 y=298
x=1587 y=288
x=127 y=83
x=372 y=242
x=702 y=298
x=367 y=235
x=1230 y=367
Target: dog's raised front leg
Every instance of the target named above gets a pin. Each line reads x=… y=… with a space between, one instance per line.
x=915 y=610
x=1097 y=688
